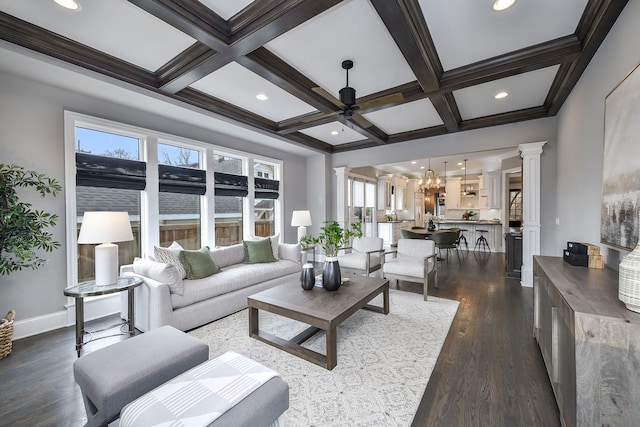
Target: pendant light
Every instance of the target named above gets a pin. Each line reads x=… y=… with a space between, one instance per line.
x=464 y=193
x=444 y=193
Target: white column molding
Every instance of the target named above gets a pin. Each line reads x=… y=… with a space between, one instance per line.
x=342 y=208
x=530 y=154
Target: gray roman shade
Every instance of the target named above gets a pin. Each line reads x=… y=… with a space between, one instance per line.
x=228 y=184
x=110 y=172
x=266 y=188
x=176 y=179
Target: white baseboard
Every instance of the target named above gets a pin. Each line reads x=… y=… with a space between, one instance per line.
x=93 y=309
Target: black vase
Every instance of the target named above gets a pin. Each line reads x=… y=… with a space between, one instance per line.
x=331 y=278
x=307 y=277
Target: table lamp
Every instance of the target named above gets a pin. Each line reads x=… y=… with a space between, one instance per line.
x=105 y=228
x=301 y=219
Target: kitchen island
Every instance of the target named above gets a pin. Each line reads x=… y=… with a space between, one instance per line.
x=494 y=228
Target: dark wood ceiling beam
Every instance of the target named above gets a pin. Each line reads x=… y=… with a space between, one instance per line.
x=280 y=18
x=372 y=132
x=405 y=21
x=32 y=37
x=310 y=142
x=270 y=67
x=558 y=51
x=304 y=122
x=192 y=18
x=596 y=22
x=418 y=134
x=504 y=118
x=191 y=56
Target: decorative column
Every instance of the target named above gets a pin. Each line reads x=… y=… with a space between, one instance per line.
x=342 y=205
x=530 y=154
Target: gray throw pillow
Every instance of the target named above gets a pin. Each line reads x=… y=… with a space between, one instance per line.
x=258 y=251
x=170 y=255
x=199 y=264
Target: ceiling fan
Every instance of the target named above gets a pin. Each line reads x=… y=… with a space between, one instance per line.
x=347 y=101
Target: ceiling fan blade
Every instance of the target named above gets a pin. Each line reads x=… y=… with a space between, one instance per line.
x=361 y=121
x=326 y=95
x=388 y=99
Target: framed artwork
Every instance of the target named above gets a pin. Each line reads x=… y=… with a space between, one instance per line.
x=621 y=165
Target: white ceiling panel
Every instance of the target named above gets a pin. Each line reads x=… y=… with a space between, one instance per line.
x=467 y=31
x=343 y=133
x=356 y=33
x=406 y=117
x=525 y=91
x=237 y=85
x=115 y=27
x=226 y=8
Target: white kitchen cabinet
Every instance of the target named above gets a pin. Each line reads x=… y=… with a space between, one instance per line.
x=495 y=193
x=384 y=193
x=452 y=201
x=400 y=202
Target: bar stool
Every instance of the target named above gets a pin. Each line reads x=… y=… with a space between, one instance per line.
x=481 y=242
x=463 y=239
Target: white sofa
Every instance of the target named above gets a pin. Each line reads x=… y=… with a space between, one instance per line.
x=166 y=299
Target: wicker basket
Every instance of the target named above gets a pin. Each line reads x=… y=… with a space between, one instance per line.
x=6 y=334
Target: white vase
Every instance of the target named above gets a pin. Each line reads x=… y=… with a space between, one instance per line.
x=629 y=281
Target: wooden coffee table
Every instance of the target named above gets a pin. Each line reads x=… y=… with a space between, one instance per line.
x=321 y=309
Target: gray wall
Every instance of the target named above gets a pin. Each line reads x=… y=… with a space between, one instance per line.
x=32 y=118
x=581 y=134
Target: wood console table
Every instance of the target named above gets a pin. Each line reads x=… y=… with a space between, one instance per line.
x=590 y=343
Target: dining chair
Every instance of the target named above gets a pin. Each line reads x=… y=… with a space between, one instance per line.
x=447 y=240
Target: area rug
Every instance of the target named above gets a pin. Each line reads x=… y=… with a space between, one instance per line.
x=384 y=362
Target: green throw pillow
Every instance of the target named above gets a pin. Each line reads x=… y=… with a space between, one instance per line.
x=199 y=264
x=258 y=251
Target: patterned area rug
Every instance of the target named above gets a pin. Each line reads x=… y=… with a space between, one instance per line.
x=384 y=362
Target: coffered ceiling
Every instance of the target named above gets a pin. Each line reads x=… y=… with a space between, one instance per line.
x=420 y=67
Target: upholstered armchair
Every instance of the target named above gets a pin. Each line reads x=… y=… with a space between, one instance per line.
x=415 y=261
x=364 y=256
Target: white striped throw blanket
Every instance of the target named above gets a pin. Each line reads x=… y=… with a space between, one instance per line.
x=199 y=396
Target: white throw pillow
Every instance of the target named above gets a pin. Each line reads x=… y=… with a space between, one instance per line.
x=171 y=255
x=162 y=272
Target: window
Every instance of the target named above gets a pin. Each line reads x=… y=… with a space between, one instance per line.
x=179 y=209
x=361 y=201
x=161 y=180
x=231 y=189
x=103 y=187
x=264 y=203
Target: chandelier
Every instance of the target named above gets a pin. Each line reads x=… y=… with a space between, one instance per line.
x=430 y=181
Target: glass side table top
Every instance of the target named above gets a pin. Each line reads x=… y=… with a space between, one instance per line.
x=90 y=289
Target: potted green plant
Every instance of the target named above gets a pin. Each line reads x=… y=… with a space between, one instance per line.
x=468 y=214
x=331 y=238
x=22 y=228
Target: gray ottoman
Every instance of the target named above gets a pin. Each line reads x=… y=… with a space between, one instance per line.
x=113 y=376
x=229 y=391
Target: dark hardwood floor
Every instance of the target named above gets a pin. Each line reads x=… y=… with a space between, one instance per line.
x=489 y=373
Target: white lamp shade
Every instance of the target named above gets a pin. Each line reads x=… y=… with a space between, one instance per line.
x=105 y=227
x=301 y=218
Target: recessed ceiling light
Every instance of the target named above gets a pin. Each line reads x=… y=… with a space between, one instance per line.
x=262 y=97
x=413 y=163
x=499 y=5
x=421 y=167
x=459 y=163
x=501 y=95
x=69 y=4
x=334 y=132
